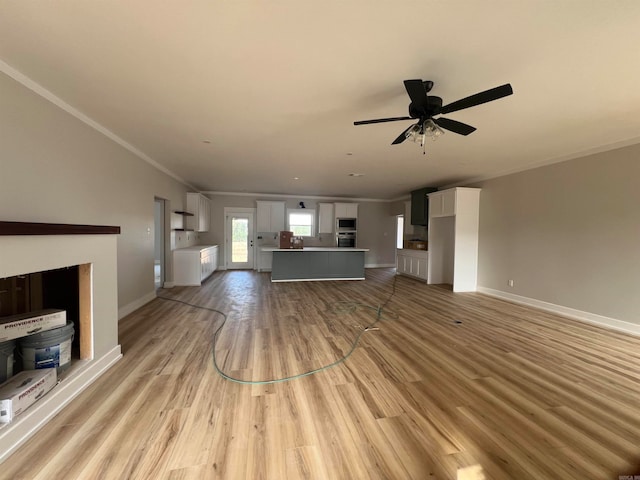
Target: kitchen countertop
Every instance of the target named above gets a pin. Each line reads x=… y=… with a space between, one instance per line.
x=314 y=249
x=194 y=248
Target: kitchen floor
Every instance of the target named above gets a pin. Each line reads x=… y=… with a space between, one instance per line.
x=441 y=385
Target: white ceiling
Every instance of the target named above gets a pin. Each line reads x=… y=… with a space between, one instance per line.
x=275 y=86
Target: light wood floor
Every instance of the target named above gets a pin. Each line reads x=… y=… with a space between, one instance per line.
x=509 y=393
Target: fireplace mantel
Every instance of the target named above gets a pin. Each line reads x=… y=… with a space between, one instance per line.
x=27 y=248
x=28 y=228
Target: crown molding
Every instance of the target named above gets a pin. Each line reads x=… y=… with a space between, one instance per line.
x=282 y=195
x=57 y=101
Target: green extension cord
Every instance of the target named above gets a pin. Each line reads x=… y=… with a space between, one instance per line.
x=351 y=306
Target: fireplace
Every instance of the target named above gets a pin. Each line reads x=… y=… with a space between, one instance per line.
x=74 y=265
x=67 y=289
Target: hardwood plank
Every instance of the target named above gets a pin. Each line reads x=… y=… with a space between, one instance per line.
x=511 y=391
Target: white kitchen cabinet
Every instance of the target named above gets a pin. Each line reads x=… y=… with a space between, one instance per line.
x=192 y=265
x=200 y=206
x=326 y=218
x=270 y=216
x=413 y=263
x=265 y=261
x=346 y=210
x=443 y=203
x=453 y=238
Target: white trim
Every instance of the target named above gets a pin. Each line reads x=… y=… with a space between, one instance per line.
x=282 y=195
x=315 y=279
x=380 y=265
x=549 y=161
x=33 y=419
x=46 y=94
x=136 y=304
x=311 y=212
x=227 y=252
x=587 y=317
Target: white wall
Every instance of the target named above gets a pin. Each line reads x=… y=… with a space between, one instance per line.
x=567 y=234
x=56 y=169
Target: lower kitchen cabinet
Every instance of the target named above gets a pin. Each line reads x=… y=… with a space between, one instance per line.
x=413 y=263
x=192 y=265
x=265 y=261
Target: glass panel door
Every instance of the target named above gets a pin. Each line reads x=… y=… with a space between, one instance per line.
x=239 y=241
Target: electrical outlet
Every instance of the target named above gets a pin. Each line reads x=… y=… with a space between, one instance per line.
x=510 y=282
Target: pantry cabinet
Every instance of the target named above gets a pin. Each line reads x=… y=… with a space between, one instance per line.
x=453 y=238
x=442 y=204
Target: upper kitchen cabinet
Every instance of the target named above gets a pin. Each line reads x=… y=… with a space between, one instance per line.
x=270 y=216
x=326 y=218
x=453 y=238
x=346 y=210
x=443 y=204
x=420 y=206
x=200 y=206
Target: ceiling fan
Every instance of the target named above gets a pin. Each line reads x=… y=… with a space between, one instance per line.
x=424 y=107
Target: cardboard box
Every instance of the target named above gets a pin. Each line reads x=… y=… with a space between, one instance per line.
x=24 y=324
x=285 y=239
x=416 y=244
x=23 y=390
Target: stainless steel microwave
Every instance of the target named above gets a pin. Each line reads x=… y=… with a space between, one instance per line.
x=346 y=225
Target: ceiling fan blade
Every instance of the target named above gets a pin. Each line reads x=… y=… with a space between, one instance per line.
x=478 y=98
x=381 y=120
x=402 y=137
x=454 y=126
x=417 y=93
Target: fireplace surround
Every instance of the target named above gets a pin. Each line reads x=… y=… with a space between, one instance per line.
x=27 y=248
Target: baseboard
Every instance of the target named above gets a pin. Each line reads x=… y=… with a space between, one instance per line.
x=380 y=265
x=34 y=418
x=168 y=285
x=136 y=304
x=592 y=318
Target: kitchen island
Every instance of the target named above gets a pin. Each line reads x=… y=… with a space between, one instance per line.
x=316 y=263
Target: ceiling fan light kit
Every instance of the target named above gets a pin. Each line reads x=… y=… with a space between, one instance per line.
x=424 y=107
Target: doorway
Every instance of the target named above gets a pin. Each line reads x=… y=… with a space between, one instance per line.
x=158 y=242
x=239 y=252
x=400 y=231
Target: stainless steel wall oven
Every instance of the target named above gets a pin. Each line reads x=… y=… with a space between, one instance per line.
x=346 y=239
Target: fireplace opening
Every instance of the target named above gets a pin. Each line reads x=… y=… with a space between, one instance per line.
x=67 y=289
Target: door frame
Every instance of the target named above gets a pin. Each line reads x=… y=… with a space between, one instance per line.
x=160 y=231
x=242 y=210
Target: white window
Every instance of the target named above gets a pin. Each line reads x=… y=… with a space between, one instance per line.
x=400 y=232
x=301 y=221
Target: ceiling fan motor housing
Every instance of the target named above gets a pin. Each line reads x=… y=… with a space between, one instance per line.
x=433 y=106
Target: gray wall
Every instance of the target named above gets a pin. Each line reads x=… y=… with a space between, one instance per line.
x=567 y=233
x=56 y=169
x=376 y=225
